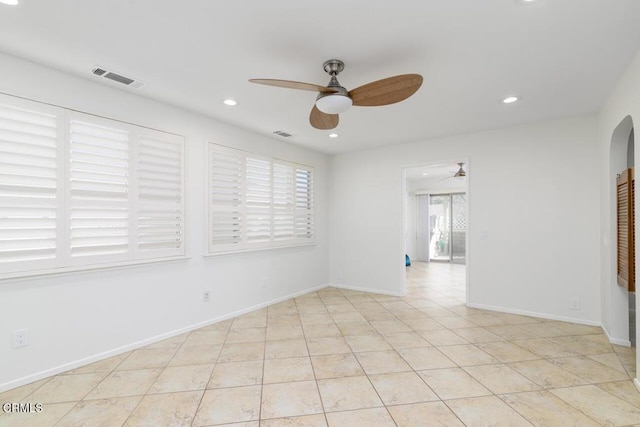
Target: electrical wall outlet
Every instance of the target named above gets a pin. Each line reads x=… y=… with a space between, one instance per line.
x=20 y=338
x=206 y=296
x=575 y=303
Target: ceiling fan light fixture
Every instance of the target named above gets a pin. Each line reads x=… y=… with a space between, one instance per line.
x=334 y=103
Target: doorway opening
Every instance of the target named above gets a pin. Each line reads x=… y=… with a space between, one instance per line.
x=436 y=229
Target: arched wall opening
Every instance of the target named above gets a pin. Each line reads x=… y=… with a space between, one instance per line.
x=621 y=303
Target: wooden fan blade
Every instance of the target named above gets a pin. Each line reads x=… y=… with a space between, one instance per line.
x=386 y=91
x=294 y=85
x=320 y=120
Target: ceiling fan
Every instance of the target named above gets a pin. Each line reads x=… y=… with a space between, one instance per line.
x=461 y=173
x=334 y=99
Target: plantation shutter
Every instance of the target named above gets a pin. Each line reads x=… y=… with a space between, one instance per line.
x=160 y=202
x=283 y=202
x=258 y=200
x=226 y=178
x=625 y=184
x=304 y=204
x=98 y=194
x=28 y=186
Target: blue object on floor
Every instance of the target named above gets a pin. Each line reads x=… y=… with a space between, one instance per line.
x=407 y=261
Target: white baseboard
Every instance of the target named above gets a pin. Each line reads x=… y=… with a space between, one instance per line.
x=535 y=314
x=371 y=291
x=133 y=346
x=636 y=383
x=617 y=341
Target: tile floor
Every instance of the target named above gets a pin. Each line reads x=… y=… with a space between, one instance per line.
x=346 y=358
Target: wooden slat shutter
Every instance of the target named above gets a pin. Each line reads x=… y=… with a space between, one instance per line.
x=626 y=221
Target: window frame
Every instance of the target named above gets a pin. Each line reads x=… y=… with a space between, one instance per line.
x=244 y=245
x=63 y=262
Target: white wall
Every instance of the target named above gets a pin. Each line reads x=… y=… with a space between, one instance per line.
x=624 y=101
x=81 y=316
x=534 y=189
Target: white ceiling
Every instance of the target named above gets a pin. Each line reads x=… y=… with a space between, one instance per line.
x=562 y=56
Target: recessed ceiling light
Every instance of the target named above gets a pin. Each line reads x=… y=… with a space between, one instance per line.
x=526 y=1
x=333 y=135
x=230 y=102
x=510 y=99
x=425 y=173
x=9 y=2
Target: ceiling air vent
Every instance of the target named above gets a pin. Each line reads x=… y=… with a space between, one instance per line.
x=283 y=133
x=116 y=77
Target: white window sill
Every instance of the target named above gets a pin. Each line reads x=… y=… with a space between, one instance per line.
x=257 y=249
x=64 y=271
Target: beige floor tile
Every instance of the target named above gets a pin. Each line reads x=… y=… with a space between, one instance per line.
x=241 y=352
x=576 y=329
x=453 y=383
x=331 y=345
x=350 y=317
x=196 y=355
x=389 y=326
x=426 y=358
x=437 y=312
x=600 y=405
x=244 y=335
x=67 y=388
x=311 y=318
x=249 y=322
x=279 y=333
x=455 y=322
x=424 y=324
x=584 y=344
x=467 y=355
x=343 y=394
x=380 y=315
x=170 y=409
x=321 y=330
x=437 y=414
x=401 y=388
x=590 y=370
x=608 y=359
x=501 y=379
x=378 y=417
x=206 y=337
x=286 y=348
x=182 y=378
x=486 y=319
x=357 y=329
x=341 y=308
x=547 y=329
x=380 y=362
x=236 y=374
x=443 y=337
x=507 y=352
x=512 y=332
x=287 y=370
x=105 y=365
x=290 y=320
x=19 y=393
x=317 y=420
x=223 y=325
x=544 y=409
x=100 y=413
x=51 y=413
x=478 y=335
x=404 y=340
x=147 y=359
x=624 y=390
x=544 y=348
x=173 y=342
x=229 y=405
x=124 y=383
x=486 y=411
x=367 y=343
x=290 y=399
x=336 y=366
x=546 y=374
